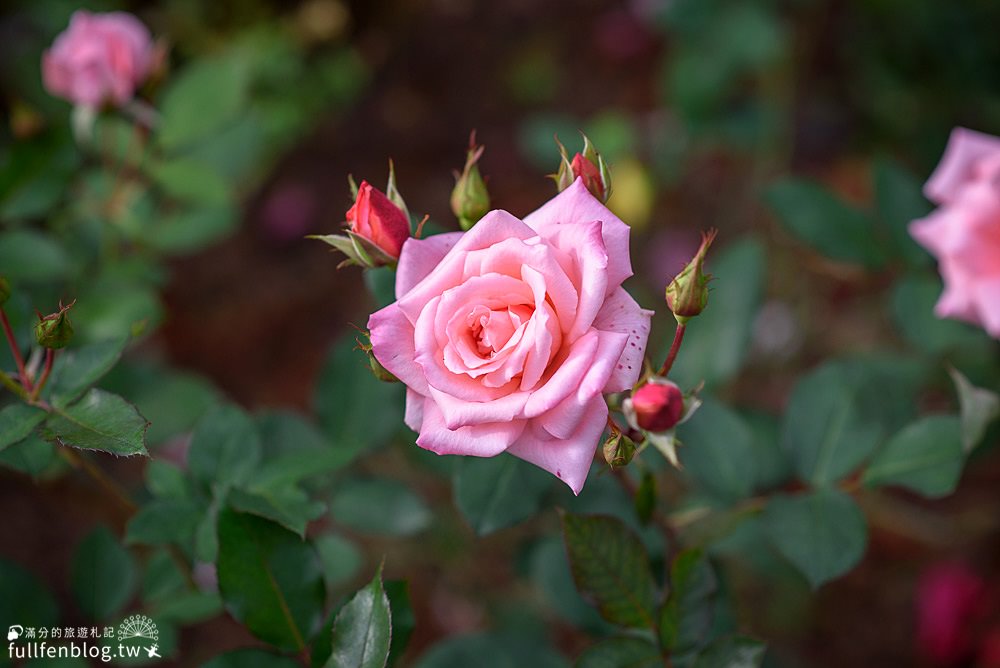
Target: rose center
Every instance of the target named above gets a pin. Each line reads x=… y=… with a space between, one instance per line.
x=491 y=329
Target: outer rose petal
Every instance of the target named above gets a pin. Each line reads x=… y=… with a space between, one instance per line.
x=414 y=416
x=392 y=344
x=481 y=440
x=987 y=295
x=419 y=257
x=569 y=458
x=965 y=148
x=622 y=314
x=577 y=205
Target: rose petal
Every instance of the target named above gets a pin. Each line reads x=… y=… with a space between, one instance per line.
x=621 y=313
x=987 y=294
x=414 y=416
x=576 y=204
x=569 y=458
x=609 y=350
x=583 y=248
x=482 y=440
x=460 y=413
x=419 y=257
x=965 y=148
x=569 y=372
x=392 y=338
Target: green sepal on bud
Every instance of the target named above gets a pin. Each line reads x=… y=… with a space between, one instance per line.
x=55 y=330
x=470 y=200
x=359 y=251
x=4 y=290
x=588 y=165
x=687 y=294
x=619 y=450
x=391 y=191
x=376 y=367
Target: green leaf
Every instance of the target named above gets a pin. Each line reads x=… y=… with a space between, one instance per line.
x=187 y=608
x=621 y=653
x=356 y=410
x=288 y=506
x=31 y=456
x=550 y=574
x=498 y=492
x=913 y=300
x=825 y=430
x=403 y=619
x=717 y=341
x=379 y=506
x=270 y=580
x=112 y=307
x=362 y=632
x=32 y=257
x=293 y=450
x=24 y=598
x=341 y=559
x=104 y=575
x=164 y=521
x=250 y=658
x=166 y=480
x=686 y=617
x=825 y=222
x=99 y=421
x=900 y=200
x=35 y=174
x=490 y=650
x=190 y=181
x=979 y=408
x=191 y=229
x=718 y=451
x=17 y=421
x=822 y=533
x=76 y=369
x=732 y=652
x=225 y=447
x=202 y=99
x=611 y=569
x=926 y=457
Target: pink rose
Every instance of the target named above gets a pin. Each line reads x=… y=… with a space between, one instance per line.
x=99 y=58
x=964 y=232
x=507 y=336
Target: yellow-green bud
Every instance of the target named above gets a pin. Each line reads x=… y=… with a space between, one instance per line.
x=470 y=200
x=687 y=294
x=618 y=449
x=55 y=330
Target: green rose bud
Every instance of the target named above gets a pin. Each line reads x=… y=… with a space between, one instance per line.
x=687 y=294
x=588 y=165
x=470 y=200
x=55 y=330
x=618 y=450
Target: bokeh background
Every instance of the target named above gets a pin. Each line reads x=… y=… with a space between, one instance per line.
x=699 y=105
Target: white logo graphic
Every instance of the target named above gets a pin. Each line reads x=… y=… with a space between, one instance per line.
x=138 y=626
x=14 y=632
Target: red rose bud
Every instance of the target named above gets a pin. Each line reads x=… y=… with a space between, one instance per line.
x=658 y=406
x=588 y=165
x=377 y=220
x=470 y=200
x=687 y=294
x=55 y=330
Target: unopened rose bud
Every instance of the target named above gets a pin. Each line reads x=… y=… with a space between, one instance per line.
x=589 y=166
x=55 y=330
x=4 y=290
x=687 y=294
x=376 y=367
x=470 y=200
x=618 y=450
x=658 y=406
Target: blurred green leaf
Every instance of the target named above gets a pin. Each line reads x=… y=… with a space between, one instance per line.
x=550 y=574
x=381 y=284
x=913 y=299
x=611 y=569
x=825 y=222
x=717 y=341
x=686 y=617
x=403 y=619
x=24 y=598
x=202 y=99
x=166 y=480
x=250 y=658
x=34 y=176
x=104 y=575
x=900 y=201
x=379 y=506
x=717 y=451
x=164 y=521
x=190 y=181
x=288 y=506
x=772 y=465
x=341 y=559
x=979 y=408
x=111 y=307
x=823 y=533
x=187 y=608
x=76 y=369
x=362 y=631
x=225 y=447
x=99 y=421
x=293 y=449
x=190 y=229
x=732 y=652
x=498 y=492
x=926 y=457
x=32 y=456
x=357 y=411
x=490 y=650
x=270 y=580
x=621 y=653
x=32 y=257
x=824 y=428
x=17 y=421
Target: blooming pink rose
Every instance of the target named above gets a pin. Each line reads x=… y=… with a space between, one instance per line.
x=964 y=232
x=99 y=58
x=507 y=336
x=950 y=602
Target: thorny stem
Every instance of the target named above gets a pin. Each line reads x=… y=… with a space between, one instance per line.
x=674 y=348
x=50 y=356
x=15 y=351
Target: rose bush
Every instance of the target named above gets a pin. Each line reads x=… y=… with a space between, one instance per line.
x=508 y=336
x=964 y=233
x=99 y=58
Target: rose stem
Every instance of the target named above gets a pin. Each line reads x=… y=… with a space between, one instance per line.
x=50 y=356
x=674 y=348
x=21 y=372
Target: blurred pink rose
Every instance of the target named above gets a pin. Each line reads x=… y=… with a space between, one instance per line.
x=99 y=58
x=964 y=232
x=950 y=600
x=507 y=336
